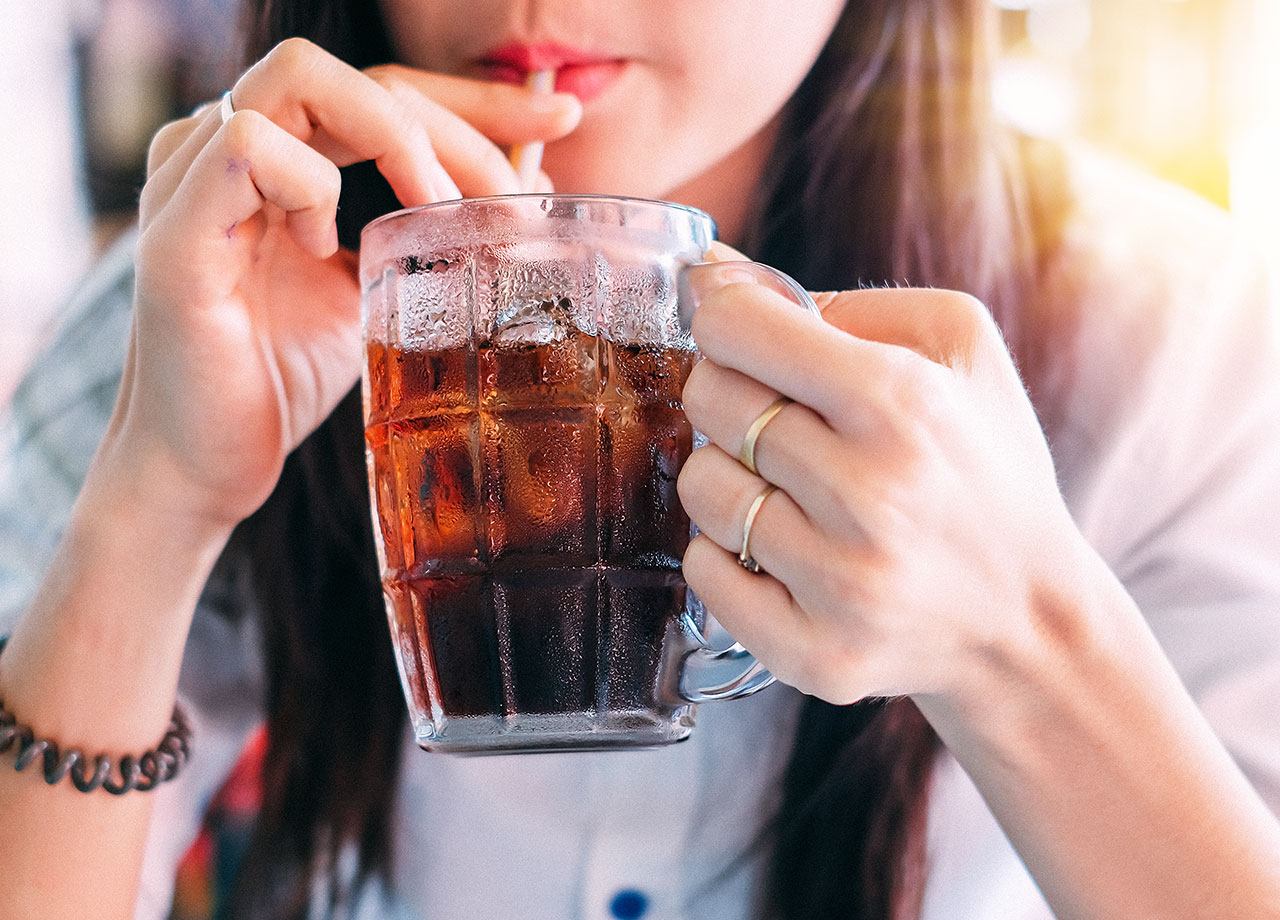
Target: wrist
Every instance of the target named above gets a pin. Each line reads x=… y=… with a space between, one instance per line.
x=1076 y=632
x=95 y=660
x=1081 y=731
x=136 y=480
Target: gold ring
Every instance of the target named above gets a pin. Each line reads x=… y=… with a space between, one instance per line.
x=744 y=558
x=747 y=454
x=225 y=108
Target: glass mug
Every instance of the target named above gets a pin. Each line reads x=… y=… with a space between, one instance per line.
x=524 y=431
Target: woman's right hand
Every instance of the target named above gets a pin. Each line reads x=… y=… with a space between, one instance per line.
x=246 y=323
x=246 y=332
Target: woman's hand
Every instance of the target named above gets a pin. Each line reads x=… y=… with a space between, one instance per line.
x=246 y=327
x=918 y=529
x=246 y=332
x=918 y=544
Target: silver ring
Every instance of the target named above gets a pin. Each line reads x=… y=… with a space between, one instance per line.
x=745 y=558
x=225 y=108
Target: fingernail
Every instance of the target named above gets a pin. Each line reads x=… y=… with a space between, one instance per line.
x=559 y=113
x=702 y=279
x=699 y=281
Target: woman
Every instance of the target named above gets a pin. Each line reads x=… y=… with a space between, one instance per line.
x=924 y=547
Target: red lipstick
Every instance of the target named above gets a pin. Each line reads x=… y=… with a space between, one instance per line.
x=586 y=74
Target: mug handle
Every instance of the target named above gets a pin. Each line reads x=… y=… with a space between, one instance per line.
x=708 y=674
x=766 y=275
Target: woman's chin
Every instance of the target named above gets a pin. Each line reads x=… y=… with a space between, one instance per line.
x=611 y=173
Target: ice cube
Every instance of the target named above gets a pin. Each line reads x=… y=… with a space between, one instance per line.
x=639 y=304
x=434 y=464
x=642 y=521
x=542 y=319
x=434 y=302
x=540 y=483
x=530 y=295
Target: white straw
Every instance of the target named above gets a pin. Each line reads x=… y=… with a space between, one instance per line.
x=527 y=158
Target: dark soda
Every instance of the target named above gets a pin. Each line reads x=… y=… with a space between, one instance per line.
x=532 y=534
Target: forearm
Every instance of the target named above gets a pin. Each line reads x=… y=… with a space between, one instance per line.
x=1109 y=782
x=94 y=664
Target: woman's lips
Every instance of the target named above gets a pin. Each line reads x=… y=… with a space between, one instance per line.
x=585 y=74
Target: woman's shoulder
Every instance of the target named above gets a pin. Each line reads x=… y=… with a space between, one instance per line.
x=1154 y=328
x=1142 y=247
x=1143 y=277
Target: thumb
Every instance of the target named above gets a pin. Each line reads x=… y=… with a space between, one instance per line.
x=757 y=273
x=724 y=265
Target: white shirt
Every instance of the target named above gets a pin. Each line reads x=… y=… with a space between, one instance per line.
x=1162 y=406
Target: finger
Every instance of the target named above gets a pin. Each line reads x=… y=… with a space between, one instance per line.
x=723 y=252
x=174 y=135
x=172 y=152
x=251 y=161
x=718 y=493
x=543 y=184
x=760 y=333
x=756 y=609
x=947 y=327
x=502 y=112
x=796 y=449
x=942 y=326
x=347 y=116
x=466 y=119
x=471 y=160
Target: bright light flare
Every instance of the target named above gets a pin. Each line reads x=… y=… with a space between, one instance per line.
x=1037 y=97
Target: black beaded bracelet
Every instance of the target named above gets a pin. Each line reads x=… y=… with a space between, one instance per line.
x=142 y=773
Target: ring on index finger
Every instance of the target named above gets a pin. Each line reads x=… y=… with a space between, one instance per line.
x=747 y=453
x=225 y=108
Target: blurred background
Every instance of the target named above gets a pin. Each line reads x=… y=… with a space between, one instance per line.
x=84 y=84
x=1187 y=89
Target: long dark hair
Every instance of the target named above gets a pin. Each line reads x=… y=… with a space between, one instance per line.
x=888 y=169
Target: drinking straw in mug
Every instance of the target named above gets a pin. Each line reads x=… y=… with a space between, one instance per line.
x=527 y=158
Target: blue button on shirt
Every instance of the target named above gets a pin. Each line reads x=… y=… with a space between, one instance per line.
x=629 y=904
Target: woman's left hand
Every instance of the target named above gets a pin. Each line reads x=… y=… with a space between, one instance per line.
x=918 y=535
x=918 y=544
